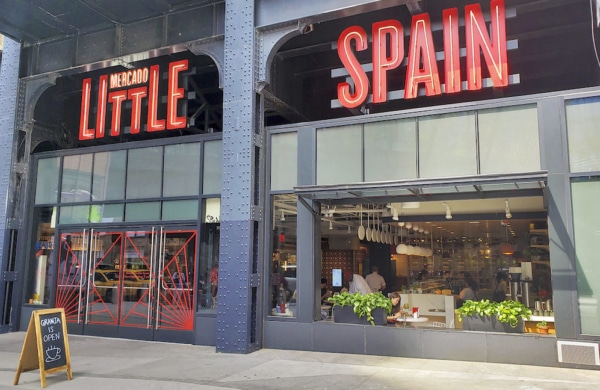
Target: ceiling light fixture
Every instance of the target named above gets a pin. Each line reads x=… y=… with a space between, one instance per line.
x=507 y=209
x=448 y=212
x=394 y=214
x=282 y=216
x=330 y=225
x=401 y=249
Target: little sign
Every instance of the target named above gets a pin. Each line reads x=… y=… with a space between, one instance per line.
x=46 y=345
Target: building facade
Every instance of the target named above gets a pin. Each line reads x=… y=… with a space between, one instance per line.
x=193 y=173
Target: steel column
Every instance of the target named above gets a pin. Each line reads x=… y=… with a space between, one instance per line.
x=9 y=78
x=238 y=309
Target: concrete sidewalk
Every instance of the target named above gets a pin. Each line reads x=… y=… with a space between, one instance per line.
x=101 y=363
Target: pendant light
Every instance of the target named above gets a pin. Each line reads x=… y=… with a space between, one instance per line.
x=401 y=249
x=507 y=248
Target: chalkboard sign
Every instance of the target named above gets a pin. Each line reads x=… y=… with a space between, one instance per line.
x=53 y=340
x=46 y=345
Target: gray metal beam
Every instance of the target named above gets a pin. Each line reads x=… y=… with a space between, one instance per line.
x=272 y=12
x=126 y=43
x=240 y=300
x=9 y=79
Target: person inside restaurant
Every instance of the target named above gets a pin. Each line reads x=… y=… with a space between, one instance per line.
x=357 y=283
x=396 y=306
x=468 y=292
x=326 y=292
x=375 y=281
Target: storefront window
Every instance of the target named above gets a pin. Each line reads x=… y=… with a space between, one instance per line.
x=144 y=173
x=447 y=145
x=583 y=116
x=76 y=179
x=509 y=140
x=339 y=155
x=46 y=189
x=213 y=152
x=179 y=210
x=106 y=213
x=74 y=214
x=182 y=170
x=145 y=211
x=40 y=275
x=208 y=270
x=390 y=150
x=284 y=161
x=586 y=225
x=109 y=175
x=283 y=265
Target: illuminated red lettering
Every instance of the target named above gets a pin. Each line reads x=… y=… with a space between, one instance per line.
x=451 y=51
x=493 y=48
x=116 y=98
x=84 y=116
x=136 y=95
x=422 y=52
x=125 y=83
x=382 y=61
x=422 y=67
x=154 y=124
x=357 y=74
x=175 y=93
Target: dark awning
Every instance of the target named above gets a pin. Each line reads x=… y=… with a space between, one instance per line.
x=420 y=190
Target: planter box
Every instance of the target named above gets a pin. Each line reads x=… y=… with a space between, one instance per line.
x=490 y=324
x=346 y=315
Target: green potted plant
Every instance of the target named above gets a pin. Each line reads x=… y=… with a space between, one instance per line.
x=485 y=315
x=542 y=327
x=362 y=309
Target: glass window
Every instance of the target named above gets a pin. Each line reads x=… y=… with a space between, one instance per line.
x=586 y=225
x=508 y=140
x=109 y=175
x=447 y=145
x=46 y=186
x=39 y=277
x=284 y=161
x=106 y=213
x=182 y=170
x=391 y=150
x=208 y=270
x=339 y=155
x=76 y=179
x=213 y=161
x=146 y=211
x=180 y=210
x=144 y=173
x=583 y=116
x=212 y=210
x=74 y=214
x=283 y=264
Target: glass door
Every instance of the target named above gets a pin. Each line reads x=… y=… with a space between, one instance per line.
x=71 y=276
x=133 y=283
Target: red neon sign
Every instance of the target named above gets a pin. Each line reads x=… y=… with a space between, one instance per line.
x=138 y=86
x=422 y=68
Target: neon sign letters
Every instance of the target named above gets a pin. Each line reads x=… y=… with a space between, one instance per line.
x=422 y=68
x=138 y=86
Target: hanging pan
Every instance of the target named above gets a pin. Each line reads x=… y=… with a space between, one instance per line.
x=361 y=228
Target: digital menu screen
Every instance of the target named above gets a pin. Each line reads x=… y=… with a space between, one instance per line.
x=336 y=277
